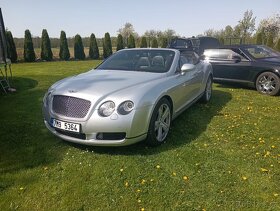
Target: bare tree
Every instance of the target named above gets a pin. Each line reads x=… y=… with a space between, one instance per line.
x=247 y=24
x=270 y=25
x=126 y=31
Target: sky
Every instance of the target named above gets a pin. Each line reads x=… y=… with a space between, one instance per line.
x=187 y=18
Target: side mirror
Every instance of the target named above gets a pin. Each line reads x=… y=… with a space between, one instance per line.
x=236 y=59
x=186 y=68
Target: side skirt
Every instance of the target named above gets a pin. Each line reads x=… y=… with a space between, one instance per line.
x=187 y=106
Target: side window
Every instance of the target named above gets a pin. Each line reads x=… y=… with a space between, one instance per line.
x=222 y=54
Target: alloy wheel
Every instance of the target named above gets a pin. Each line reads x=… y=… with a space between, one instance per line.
x=162 y=123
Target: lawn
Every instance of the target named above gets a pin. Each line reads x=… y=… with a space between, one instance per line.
x=221 y=156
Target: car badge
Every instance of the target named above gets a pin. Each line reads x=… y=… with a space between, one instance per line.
x=72 y=91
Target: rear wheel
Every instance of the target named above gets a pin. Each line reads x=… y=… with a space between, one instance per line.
x=208 y=91
x=268 y=83
x=160 y=123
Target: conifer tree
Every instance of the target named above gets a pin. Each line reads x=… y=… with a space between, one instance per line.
x=46 y=51
x=154 y=43
x=79 y=48
x=11 y=47
x=93 y=48
x=259 y=40
x=28 y=54
x=143 y=43
x=64 y=53
x=107 y=46
x=120 y=44
x=269 y=41
x=131 y=41
x=164 y=42
x=277 y=47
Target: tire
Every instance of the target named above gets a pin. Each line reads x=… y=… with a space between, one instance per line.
x=160 y=123
x=268 y=83
x=208 y=91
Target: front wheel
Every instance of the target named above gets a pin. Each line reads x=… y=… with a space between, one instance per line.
x=268 y=83
x=208 y=91
x=160 y=123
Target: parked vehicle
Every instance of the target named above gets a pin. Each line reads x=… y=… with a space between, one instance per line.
x=254 y=65
x=131 y=96
x=197 y=44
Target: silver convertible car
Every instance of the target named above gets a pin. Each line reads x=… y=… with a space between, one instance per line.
x=132 y=96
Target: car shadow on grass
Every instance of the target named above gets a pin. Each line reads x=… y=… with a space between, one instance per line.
x=184 y=129
x=23 y=134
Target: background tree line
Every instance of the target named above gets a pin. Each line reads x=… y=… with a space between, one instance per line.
x=268 y=33
x=246 y=32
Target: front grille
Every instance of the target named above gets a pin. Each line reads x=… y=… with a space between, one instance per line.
x=70 y=106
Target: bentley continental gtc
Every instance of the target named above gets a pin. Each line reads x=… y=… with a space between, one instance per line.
x=255 y=65
x=132 y=96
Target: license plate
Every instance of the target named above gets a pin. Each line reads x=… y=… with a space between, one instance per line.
x=69 y=126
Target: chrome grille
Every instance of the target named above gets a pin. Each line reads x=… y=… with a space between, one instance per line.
x=70 y=106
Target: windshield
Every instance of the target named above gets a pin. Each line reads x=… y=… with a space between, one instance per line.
x=147 y=60
x=261 y=52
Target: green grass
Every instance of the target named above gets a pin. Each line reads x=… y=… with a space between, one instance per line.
x=220 y=156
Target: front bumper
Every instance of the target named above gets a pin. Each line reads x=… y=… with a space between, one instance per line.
x=134 y=125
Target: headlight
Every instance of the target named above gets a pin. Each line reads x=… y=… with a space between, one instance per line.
x=125 y=107
x=106 y=109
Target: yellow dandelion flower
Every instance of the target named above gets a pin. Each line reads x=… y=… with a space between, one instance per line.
x=142 y=209
x=264 y=170
x=138 y=191
x=158 y=166
x=244 y=178
x=21 y=188
x=139 y=201
x=121 y=170
x=203 y=209
x=143 y=181
x=275 y=194
x=273 y=146
x=266 y=154
x=185 y=178
x=174 y=174
x=126 y=184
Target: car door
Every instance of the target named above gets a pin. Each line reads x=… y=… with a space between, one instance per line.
x=183 y=92
x=229 y=65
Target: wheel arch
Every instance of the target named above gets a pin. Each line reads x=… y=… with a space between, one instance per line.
x=169 y=99
x=275 y=71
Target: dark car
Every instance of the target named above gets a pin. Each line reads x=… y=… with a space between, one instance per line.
x=197 y=44
x=254 y=65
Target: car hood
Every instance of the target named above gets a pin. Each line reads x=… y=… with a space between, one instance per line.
x=101 y=83
x=275 y=61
